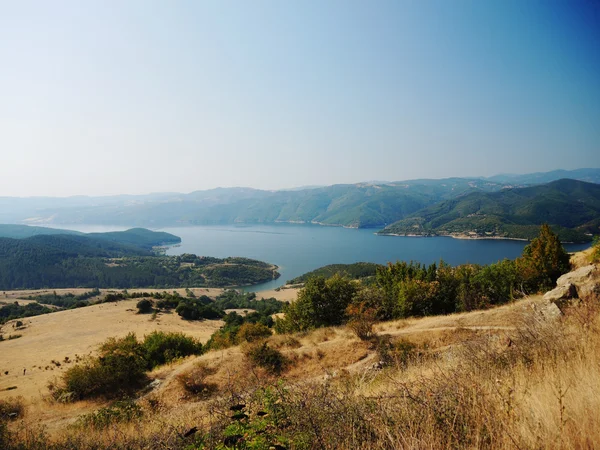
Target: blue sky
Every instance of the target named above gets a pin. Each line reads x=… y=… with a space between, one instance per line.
x=108 y=97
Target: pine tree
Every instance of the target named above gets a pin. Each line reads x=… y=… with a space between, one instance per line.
x=544 y=260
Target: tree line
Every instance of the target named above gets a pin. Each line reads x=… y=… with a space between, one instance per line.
x=405 y=289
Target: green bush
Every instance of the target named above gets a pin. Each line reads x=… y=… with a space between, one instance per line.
x=194 y=310
x=118 y=370
x=120 y=412
x=160 y=347
x=144 y=306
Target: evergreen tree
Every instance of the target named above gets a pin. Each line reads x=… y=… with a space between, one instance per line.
x=544 y=260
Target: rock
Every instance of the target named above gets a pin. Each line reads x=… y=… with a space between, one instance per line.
x=562 y=292
x=154 y=384
x=550 y=311
x=66 y=397
x=588 y=290
x=578 y=277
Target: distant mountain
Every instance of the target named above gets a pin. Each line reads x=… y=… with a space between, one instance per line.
x=571 y=207
x=589 y=175
x=372 y=204
x=137 y=237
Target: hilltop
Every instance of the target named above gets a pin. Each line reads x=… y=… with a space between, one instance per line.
x=571 y=207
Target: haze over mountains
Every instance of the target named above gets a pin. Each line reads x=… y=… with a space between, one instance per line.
x=353 y=205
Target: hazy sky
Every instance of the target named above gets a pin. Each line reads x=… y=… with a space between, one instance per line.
x=107 y=97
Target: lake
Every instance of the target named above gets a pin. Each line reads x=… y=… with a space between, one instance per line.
x=298 y=249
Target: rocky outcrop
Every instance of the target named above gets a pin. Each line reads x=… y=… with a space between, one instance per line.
x=581 y=283
x=564 y=292
x=578 y=277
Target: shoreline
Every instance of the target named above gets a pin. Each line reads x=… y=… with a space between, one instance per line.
x=466 y=237
x=461 y=236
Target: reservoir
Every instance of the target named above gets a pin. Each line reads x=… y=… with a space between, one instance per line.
x=298 y=249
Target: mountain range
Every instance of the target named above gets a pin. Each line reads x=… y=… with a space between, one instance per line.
x=360 y=205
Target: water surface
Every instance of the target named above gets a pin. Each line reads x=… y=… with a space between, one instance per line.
x=298 y=249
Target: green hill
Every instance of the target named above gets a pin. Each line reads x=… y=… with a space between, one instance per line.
x=25 y=231
x=354 y=271
x=137 y=237
x=571 y=207
x=119 y=260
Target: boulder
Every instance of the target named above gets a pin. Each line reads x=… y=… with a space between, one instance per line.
x=578 y=277
x=550 y=311
x=585 y=281
x=562 y=292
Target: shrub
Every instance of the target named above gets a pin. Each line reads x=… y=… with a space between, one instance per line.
x=595 y=256
x=195 y=310
x=121 y=365
x=223 y=338
x=144 y=306
x=399 y=353
x=160 y=347
x=168 y=303
x=251 y=332
x=119 y=412
x=362 y=319
x=11 y=408
x=119 y=369
x=268 y=358
x=194 y=381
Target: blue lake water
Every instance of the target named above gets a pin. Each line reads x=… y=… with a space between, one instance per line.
x=298 y=249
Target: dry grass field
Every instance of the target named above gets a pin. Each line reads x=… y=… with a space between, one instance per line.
x=504 y=378
x=65 y=336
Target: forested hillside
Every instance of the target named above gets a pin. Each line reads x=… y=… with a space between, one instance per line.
x=123 y=260
x=373 y=204
x=571 y=207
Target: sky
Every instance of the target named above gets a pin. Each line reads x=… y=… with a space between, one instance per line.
x=131 y=97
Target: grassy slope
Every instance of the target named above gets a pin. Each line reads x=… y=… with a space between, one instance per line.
x=467 y=377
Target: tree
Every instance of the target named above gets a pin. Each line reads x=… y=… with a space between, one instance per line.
x=320 y=303
x=543 y=261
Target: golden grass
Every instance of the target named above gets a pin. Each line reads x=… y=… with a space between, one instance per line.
x=501 y=378
x=73 y=334
x=285 y=294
